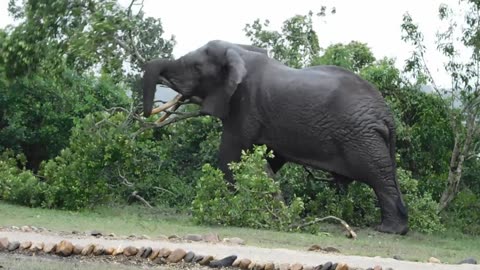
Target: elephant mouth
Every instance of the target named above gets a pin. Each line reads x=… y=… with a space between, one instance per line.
x=173 y=103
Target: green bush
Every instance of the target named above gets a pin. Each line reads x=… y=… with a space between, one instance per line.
x=464 y=213
x=422 y=207
x=19 y=186
x=253 y=203
x=356 y=207
x=105 y=163
x=39 y=110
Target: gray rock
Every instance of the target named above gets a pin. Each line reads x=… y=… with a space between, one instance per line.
x=147 y=252
x=173 y=236
x=95 y=233
x=327 y=266
x=468 y=261
x=225 y=262
x=334 y=266
x=197 y=258
x=13 y=246
x=193 y=237
x=396 y=257
x=189 y=256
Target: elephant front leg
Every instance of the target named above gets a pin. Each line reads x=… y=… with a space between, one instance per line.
x=230 y=151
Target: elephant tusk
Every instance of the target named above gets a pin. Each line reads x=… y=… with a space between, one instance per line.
x=167 y=105
x=167 y=113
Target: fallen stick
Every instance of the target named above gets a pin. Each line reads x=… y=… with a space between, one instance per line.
x=351 y=233
x=134 y=194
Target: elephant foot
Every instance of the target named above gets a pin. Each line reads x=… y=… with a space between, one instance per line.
x=398 y=227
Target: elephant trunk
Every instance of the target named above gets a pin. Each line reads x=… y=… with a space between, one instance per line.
x=153 y=69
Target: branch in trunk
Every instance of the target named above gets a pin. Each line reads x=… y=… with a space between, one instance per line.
x=167 y=105
x=181 y=117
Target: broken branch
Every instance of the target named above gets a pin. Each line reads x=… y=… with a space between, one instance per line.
x=135 y=194
x=351 y=233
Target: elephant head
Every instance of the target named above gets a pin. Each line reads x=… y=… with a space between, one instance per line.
x=210 y=74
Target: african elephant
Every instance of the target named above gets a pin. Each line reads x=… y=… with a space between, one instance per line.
x=324 y=117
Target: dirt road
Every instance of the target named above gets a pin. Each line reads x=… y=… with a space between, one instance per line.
x=256 y=254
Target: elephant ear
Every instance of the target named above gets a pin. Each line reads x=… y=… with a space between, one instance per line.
x=217 y=102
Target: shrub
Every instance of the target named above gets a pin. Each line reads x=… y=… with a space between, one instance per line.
x=253 y=203
x=422 y=207
x=19 y=186
x=105 y=163
x=464 y=212
x=357 y=207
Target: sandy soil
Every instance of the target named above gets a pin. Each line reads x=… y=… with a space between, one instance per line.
x=257 y=254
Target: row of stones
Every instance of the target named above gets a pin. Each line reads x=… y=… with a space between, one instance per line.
x=160 y=256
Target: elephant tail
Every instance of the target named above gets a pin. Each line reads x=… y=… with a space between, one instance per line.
x=392 y=144
x=392 y=147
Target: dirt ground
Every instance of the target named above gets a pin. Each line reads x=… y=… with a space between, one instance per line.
x=220 y=250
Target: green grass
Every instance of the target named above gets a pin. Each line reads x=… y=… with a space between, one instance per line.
x=449 y=247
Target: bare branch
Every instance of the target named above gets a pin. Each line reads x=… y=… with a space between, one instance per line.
x=140 y=198
x=124 y=179
x=164 y=189
x=129 y=9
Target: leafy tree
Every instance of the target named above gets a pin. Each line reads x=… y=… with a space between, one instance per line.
x=83 y=34
x=39 y=111
x=66 y=59
x=462 y=97
x=297 y=43
x=353 y=56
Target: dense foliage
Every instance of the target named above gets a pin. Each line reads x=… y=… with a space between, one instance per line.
x=70 y=137
x=253 y=201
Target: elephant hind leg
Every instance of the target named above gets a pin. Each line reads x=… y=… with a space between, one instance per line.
x=378 y=171
x=393 y=210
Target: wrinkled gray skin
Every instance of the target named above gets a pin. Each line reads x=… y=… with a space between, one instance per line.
x=324 y=117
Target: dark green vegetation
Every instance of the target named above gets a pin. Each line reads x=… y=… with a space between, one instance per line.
x=449 y=246
x=71 y=136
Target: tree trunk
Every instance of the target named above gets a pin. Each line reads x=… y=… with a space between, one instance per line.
x=456 y=164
